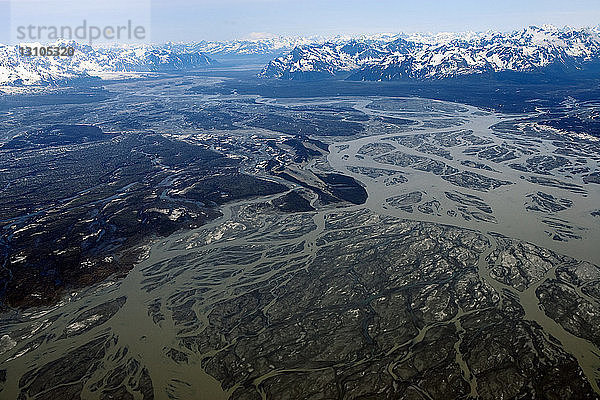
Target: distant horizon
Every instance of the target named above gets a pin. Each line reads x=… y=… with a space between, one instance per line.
x=226 y=20
x=263 y=36
x=395 y=33
x=259 y=38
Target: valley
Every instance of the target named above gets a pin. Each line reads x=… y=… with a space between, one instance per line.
x=281 y=247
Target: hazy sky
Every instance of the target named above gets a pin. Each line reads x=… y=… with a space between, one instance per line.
x=226 y=19
x=186 y=20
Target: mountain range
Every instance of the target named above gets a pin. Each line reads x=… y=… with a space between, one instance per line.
x=88 y=62
x=418 y=57
x=441 y=57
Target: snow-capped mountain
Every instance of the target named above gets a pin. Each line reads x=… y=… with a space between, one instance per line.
x=441 y=56
x=265 y=46
x=330 y=58
x=278 y=45
x=16 y=69
x=366 y=57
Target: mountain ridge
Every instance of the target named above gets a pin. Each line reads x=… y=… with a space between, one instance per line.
x=378 y=57
x=528 y=50
x=89 y=63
